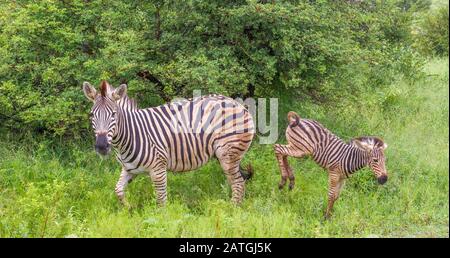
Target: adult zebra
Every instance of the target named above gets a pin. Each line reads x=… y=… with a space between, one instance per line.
x=308 y=137
x=178 y=136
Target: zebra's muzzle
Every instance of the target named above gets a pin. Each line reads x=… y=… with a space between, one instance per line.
x=102 y=146
x=382 y=179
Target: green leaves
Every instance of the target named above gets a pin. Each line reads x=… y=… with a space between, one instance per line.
x=204 y=70
x=432 y=34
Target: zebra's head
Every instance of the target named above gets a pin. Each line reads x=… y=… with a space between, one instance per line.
x=375 y=147
x=103 y=113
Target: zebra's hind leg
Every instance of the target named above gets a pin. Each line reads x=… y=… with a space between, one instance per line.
x=290 y=173
x=282 y=152
x=282 y=161
x=230 y=159
x=124 y=179
x=230 y=167
x=159 y=178
x=229 y=151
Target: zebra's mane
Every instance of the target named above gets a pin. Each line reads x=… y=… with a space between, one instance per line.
x=128 y=103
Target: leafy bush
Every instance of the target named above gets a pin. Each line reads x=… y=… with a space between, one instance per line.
x=432 y=34
x=415 y=5
x=163 y=49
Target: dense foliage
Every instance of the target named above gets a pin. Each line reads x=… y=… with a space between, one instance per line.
x=432 y=34
x=317 y=49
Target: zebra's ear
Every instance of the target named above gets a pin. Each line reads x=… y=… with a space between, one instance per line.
x=362 y=144
x=379 y=143
x=119 y=92
x=89 y=91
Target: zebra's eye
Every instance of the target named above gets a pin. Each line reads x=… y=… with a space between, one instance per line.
x=375 y=160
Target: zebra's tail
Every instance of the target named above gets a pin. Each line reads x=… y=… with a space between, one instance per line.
x=247 y=174
x=293 y=118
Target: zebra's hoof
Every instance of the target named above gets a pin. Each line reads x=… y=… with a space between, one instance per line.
x=291 y=186
x=327 y=216
x=124 y=203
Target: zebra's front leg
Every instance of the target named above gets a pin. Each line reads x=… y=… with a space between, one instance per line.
x=159 y=179
x=124 y=179
x=335 y=187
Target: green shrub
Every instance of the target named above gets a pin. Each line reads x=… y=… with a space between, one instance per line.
x=164 y=49
x=432 y=34
x=415 y=5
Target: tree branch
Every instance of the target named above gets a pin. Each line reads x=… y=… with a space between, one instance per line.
x=146 y=75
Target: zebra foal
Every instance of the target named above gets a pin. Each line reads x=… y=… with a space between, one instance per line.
x=308 y=137
x=178 y=136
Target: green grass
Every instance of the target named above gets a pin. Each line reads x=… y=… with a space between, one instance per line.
x=438 y=3
x=65 y=190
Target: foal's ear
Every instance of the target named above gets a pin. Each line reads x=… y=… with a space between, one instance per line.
x=89 y=91
x=368 y=143
x=119 y=92
x=379 y=143
x=362 y=143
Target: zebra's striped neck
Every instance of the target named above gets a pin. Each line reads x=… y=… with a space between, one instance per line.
x=355 y=159
x=336 y=153
x=126 y=107
x=125 y=122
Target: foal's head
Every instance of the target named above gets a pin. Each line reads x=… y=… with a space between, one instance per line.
x=375 y=147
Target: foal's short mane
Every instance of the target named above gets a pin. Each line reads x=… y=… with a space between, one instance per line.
x=104 y=88
x=128 y=103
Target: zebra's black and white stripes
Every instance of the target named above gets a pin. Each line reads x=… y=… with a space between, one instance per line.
x=178 y=136
x=308 y=137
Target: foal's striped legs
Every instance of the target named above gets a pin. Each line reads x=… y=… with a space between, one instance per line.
x=335 y=182
x=281 y=153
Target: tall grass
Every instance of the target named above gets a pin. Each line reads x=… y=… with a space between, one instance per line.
x=65 y=190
